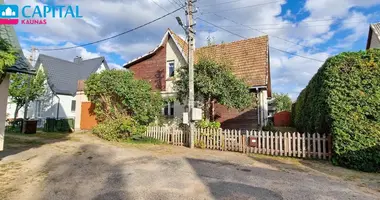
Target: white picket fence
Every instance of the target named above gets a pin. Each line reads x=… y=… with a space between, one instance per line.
x=305 y=145
x=168 y=135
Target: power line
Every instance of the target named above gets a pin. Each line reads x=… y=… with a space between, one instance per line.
x=221 y=3
x=295 y=23
x=286 y=40
x=159 y=5
x=279 y=28
x=175 y=3
x=117 y=35
x=233 y=9
x=268 y=45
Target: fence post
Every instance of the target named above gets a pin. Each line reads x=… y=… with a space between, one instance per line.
x=240 y=141
x=298 y=144
x=294 y=144
x=329 y=145
x=319 y=145
x=289 y=144
x=281 y=150
x=303 y=146
x=308 y=146
x=324 y=146
x=271 y=143
x=276 y=152
x=314 y=147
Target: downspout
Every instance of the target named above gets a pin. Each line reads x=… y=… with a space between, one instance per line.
x=59 y=101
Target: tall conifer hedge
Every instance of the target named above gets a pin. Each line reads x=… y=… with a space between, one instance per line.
x=343 y=99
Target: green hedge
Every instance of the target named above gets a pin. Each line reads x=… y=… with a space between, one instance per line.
x=58 y=125
x=343 y=98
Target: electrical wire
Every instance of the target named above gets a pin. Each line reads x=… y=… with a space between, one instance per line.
x=286 y=40
x=160 y=5
x=294 y=54
x=233 y=9
x=117 y=35
x=221 y=3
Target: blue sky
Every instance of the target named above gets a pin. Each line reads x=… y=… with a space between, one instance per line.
x=316 y=29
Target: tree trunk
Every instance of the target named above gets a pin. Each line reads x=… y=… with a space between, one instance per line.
x=213 y=110
x=16 y=111
x=209 y=108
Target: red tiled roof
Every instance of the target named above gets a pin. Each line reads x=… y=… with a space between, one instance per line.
x=248 y=58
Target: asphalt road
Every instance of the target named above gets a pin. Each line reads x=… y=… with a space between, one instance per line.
x=95 y=170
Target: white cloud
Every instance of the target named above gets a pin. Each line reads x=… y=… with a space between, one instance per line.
x=109 y=17
x=114 y=66
x=42 y=40
x=66 y=54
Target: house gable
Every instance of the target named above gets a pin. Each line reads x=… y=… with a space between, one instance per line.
x=373 y=40
x=153 y=67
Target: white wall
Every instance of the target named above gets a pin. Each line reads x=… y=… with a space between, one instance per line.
x=80 y=97
x=262 y=110
x=49 y=104
x=101 y=68
x=3 y=107
x=172 y=53
x=178 y=108
x=375 y=42
x=11 y=108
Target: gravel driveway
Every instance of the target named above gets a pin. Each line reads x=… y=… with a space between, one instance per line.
x=88 y=168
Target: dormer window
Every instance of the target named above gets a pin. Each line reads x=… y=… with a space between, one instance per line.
x=171 y=69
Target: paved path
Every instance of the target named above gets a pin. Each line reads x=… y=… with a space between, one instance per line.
x=87 y=168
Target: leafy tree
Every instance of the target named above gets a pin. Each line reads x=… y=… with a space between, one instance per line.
x=282 y=102
x=25 y=88
x=117 y=94
x=213 y=83
x=8 y=57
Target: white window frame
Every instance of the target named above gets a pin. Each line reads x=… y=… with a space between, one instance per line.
x=170 y=106
x=75 y=106
x=168 y=68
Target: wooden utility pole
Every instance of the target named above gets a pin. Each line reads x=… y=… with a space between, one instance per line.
x=191 y=43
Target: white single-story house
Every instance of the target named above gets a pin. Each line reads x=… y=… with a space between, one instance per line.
x=59 y=100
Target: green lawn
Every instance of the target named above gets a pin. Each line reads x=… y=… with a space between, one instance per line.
x=41 y=134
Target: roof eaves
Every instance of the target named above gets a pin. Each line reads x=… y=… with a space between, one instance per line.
x=136 y=60
x=178 y=46
x=151 y=53
x=376 y=29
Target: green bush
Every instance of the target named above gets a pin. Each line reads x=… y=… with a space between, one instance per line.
x=269 y=127
x=117 y=94
x=207 y=124
x=118 y=129
x=343 y=99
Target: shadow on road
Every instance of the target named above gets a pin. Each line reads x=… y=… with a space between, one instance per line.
x=89 y=174
x=15 y=143
x=216 y=174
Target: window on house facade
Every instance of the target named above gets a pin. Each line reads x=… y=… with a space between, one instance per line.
x=169 y=109
x=171 y=68
x=73 y=105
